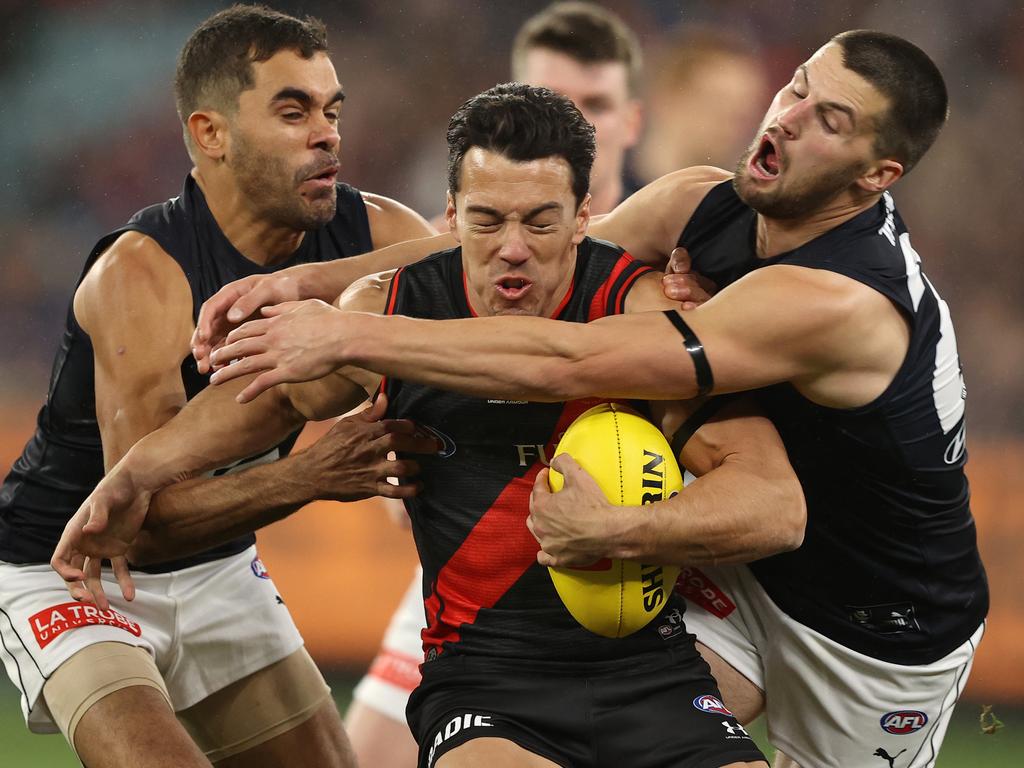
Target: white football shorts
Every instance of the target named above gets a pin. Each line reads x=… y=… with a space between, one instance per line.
x=395 y=672
x=205 y=627
x=826 y=705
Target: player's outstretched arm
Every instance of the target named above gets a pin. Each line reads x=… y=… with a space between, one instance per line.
x=348 y=463
x=400 y=236
x=210 y=432
x=838 y=341
x=745 y=504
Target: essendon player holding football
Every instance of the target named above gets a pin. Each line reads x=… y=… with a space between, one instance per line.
x=859 y=643
x=509 y=676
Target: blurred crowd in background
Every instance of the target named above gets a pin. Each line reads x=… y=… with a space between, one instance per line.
x=89 y=134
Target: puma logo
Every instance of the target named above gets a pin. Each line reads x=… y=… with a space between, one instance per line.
x=885 y=756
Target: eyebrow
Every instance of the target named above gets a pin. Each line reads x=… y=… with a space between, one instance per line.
x=498 y=214
x=848 y=111
x=303 y=97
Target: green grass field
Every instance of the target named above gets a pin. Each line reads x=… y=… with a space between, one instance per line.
x=966 y=746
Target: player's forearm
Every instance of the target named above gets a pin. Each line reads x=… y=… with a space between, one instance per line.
x=523 y=358
x=196 y=515
x=211 y=431
x=733 y=514
x=328 y=280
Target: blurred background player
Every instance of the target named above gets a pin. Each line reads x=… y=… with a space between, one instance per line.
x=207 y=636
x=705 y=92
x=588 y=54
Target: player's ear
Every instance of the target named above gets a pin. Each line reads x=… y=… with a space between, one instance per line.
x=880 y=176
x=582 y=220
x=450 y=215
x=209 y=133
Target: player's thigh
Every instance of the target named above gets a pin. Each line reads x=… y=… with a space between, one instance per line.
x=317 y=741
x=829 y=705
x=261 y=707
x=378 y=739
x=493 y=753
x=741 y=696
x=110 y=702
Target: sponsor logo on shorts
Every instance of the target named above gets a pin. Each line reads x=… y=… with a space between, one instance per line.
x=903 y=721
x=695 y=586
x=50 y=623
x=891 y=759
x=674 y=626
x=457 y=725
x=712 y=705
x=735 y=731
x=259 y=569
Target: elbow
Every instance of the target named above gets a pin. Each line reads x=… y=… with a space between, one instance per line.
x=793 y=520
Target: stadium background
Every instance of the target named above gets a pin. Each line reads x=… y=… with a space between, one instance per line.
x=89 y=135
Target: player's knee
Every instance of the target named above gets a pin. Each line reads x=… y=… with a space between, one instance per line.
x=94 y=673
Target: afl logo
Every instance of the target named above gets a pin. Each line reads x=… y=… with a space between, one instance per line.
x=956 y=447
x=447 y=444
x=259 y=569
x=903 y=722
x=712 y=705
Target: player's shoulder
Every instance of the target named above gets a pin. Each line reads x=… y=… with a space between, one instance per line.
x=688 y=186
x=133 y=258
x=392 y=222
x=368 y=294
x=135 y=273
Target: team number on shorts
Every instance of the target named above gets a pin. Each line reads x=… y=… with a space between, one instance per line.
x=50 y=623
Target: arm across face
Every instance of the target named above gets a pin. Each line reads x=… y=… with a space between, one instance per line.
x=400 y=236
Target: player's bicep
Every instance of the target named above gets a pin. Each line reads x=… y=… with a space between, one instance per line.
x=391 y=222
x=776 y=324
x=136 y=306
x=649 y=222
x=707 y=433
x=647 y=295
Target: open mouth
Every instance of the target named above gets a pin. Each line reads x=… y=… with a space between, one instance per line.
x=324 y=177
x=512 y=288
x=766 y=160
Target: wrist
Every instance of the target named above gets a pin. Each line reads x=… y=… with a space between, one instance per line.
x=627 y=531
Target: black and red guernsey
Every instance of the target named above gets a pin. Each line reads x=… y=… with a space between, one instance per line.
x=484 y=592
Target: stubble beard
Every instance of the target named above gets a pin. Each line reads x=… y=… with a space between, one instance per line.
x=804 y=198
x=272 y=188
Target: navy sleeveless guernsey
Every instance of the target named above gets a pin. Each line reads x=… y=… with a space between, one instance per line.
x=890 y=565
x=63 y=461
x=484 y=592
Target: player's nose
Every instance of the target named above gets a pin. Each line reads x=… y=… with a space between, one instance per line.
x=514 y=249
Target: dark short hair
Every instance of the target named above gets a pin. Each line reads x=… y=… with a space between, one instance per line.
x=522 y=122
x=584 y=31
x=912 y=84
x=215 y=65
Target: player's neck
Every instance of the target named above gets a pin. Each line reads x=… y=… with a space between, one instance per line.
x=252 y=235
x=775 y=236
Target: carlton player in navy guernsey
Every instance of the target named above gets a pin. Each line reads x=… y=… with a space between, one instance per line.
x=509 y=675
x=864 y=637
x=206 y=635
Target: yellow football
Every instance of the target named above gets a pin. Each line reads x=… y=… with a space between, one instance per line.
x=633 y=464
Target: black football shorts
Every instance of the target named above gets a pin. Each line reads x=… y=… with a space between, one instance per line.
x=661 y=709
